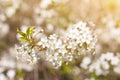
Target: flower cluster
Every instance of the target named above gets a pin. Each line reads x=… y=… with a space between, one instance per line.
x=9 y=67
x=106 y=63
x=47 y=13
x=108 y=32
x=10 y=7
x=56 y=49
x=80 y=38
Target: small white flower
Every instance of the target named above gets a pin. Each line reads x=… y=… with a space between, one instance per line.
x=11 y=74
x=4 y=29
x=85 y=62
x=3 y=77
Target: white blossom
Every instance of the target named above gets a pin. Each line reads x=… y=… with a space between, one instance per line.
x=55 y=49
x=11 y=74
x=4 y=29
x=103 y=64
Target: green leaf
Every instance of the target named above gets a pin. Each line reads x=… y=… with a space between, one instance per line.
x=23 y=39
x=21 y=33
x=30 y=31
x=27 y=35
x=20 y=73
x=65 y=69
x=76 y=79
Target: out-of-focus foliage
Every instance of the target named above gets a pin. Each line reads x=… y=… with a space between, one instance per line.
x=56 y=17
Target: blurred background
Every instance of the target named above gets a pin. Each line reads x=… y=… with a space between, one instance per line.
x=54 y=16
